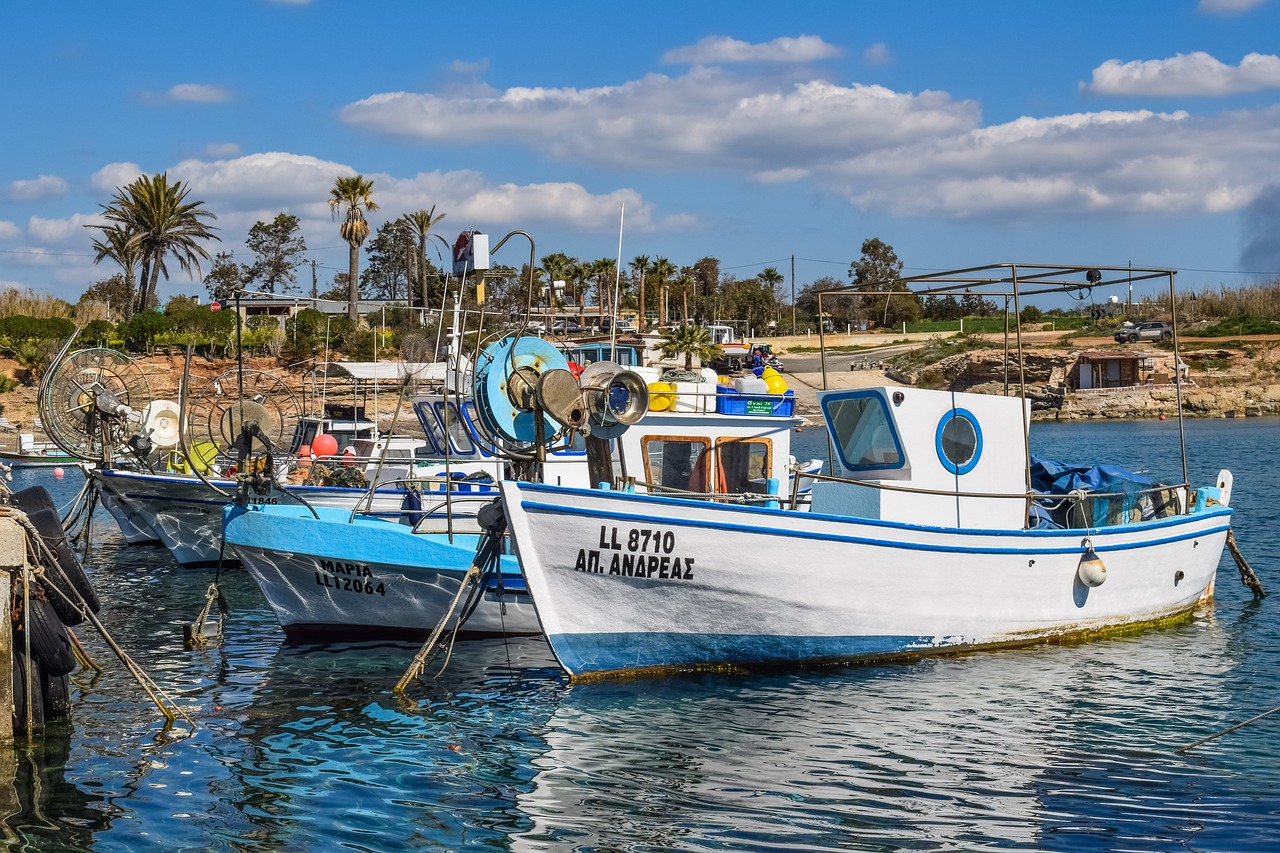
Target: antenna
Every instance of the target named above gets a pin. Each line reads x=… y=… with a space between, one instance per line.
x=617 y=282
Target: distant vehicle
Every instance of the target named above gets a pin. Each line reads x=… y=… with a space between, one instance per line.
x=1151 y=331
x=566 y=327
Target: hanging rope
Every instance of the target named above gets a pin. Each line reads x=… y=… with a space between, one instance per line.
x=35 y=542
x=1247 y=575
x=485 y=562
x=1229 y=730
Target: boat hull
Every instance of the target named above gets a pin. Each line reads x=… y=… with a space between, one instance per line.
x=625 y=583
x=37 y=460
x=399 y=586
x=186 y=515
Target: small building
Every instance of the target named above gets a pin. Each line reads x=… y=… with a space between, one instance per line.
x=1104 y=369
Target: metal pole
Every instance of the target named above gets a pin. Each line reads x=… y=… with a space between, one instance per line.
x=1177 y=382
x=1022 y=394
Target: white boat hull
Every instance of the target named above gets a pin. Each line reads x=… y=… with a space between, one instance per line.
x=186 y=515
x=135 y=530
x=327 y=579
x=625 y=582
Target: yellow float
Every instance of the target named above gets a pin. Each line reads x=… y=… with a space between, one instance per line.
x=662 y=396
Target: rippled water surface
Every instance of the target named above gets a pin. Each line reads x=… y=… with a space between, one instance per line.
x=1063 y=747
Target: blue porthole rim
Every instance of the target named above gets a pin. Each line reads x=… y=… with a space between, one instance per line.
x=951 y=415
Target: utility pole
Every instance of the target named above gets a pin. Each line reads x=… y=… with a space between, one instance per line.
x=314 y=294
x=793 y=294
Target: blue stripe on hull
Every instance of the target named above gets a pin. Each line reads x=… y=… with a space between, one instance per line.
x=604 y=653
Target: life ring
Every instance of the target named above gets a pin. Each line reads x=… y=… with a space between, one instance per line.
x=67 y=575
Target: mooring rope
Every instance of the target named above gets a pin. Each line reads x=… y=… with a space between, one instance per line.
x=1247 y=575
x=488 y=552
x=163 y=702
x=1229 y=729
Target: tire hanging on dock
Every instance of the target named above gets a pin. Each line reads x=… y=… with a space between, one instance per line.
x=38 y=505
x=50 y=645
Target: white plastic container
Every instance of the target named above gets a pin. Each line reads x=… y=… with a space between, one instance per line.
x=750 y=385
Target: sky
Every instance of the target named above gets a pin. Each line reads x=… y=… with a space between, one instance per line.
x=961 y=134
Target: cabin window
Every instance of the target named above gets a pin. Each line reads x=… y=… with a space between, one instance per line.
x=676 y=462
x=743 y=465
x=864 y=433
x=435 y=437
x=459 y=435
x=959 y=441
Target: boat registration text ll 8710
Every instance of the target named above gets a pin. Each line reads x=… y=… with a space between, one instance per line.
x=635 y=552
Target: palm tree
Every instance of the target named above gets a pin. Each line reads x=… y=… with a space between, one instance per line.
x=662 y=270
x=117 y=243
x=603 y=269
x=690 y=341
x=352 y=197
x=771 y=278
x=639 y=266
x=161 y=222
x=420 y=223
x=558 y=267
x=683 y=285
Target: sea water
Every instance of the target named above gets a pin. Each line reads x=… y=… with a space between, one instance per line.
x=1055 y=747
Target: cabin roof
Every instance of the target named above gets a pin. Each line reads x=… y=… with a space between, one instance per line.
x=382 y=370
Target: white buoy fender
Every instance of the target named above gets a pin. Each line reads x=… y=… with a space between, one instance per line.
x=1092 y=570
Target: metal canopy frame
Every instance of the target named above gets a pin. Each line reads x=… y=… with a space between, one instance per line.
x=1016 y=281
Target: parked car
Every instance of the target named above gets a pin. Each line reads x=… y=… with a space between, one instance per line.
x=566 y=327
x=1151 y=331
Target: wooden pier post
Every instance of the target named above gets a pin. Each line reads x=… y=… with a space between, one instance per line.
x=13 y=556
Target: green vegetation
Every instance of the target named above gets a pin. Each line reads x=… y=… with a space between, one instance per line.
x=1241 y=324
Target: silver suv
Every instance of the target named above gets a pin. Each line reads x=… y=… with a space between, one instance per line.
x=1153 y=331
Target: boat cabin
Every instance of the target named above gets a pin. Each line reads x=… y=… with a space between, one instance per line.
x=949 y=448
x=345 y=422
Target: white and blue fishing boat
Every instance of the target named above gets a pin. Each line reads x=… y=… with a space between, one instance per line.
x=933 y=534
x=343 y=575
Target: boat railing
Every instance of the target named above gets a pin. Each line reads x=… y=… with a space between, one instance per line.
x=451 y=490
x=1077 y=504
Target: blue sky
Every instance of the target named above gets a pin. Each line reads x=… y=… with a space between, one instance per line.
x=960 y=133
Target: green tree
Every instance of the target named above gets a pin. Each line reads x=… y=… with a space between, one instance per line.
x=880 y=270
x=690 y=341
x=706 y=275
x=662 y=270
x=118 y=244
x=640 y=266
x=559 y=267
x=141 y=330
x=390 y=256
x=158 y=218
x=224 y=278
x=350 y=198
x=420 y=223
x=277 y=248
x=115 y=292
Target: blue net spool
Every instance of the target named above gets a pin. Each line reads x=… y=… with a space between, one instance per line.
x=505 y=379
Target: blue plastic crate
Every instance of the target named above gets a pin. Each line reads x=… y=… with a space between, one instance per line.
x=731 y=402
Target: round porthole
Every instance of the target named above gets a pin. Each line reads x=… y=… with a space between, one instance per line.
x=959 y=441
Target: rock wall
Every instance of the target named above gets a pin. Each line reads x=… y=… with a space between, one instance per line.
x=1219 y=402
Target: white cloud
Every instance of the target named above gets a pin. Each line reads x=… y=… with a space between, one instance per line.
x=8 y=230
x=877 y=54
x=705 y=119
x=1229 y=7
x=721 y=49
x=198 y=93
x=222 y=149
x=1185 y=74
x=114 y=175
x=1116 y=163
x=478 y=67
x=36 y=188
x=69 y=230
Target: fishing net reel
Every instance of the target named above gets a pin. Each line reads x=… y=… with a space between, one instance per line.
x=91 y=401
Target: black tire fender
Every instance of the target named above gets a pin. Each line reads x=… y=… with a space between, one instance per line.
x=50 y=645
x=69 y=573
